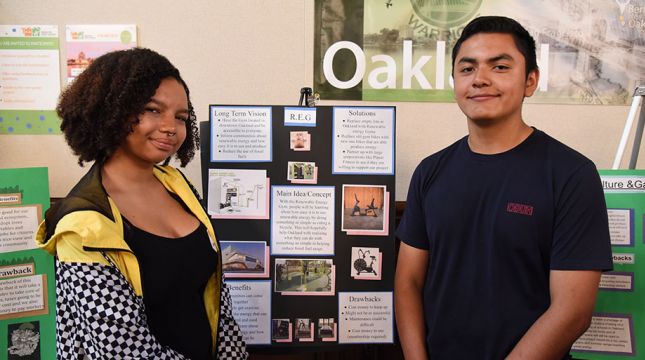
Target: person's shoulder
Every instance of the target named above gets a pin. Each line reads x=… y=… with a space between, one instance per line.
x=433 y=160
x=562 y=154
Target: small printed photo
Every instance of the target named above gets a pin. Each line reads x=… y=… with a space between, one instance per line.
x=304 y=276
x=304 y=330
x=366 y=263
x=298 y=171
x=363 y=208
x=326 y=328
x=281 y=329
x=23 y=341
x=244 y=258
x=299 y=141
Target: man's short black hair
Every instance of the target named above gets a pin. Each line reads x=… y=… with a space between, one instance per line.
x=503 y=25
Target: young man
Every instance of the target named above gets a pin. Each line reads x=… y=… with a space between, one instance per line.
x=505 y=232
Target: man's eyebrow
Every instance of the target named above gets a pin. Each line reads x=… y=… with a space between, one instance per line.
x=493 y=59
x=500 y=57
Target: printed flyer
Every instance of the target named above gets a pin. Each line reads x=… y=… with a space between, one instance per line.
x=87 y=42
x=29 y=80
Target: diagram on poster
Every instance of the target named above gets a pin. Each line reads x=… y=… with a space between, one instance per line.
x=245 y=259
x=302 y=220
x=365 y=317
x=252 y=309
x=305 y=277
x=238 y=194
x=363 y=141
x=241 y=134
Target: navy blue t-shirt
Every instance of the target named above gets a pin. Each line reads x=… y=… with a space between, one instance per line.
x=494 y=226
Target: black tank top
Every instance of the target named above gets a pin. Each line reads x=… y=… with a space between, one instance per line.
x=174 y=273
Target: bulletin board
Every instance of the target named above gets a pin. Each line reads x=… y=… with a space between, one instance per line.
x=618 y=322
x=302 y=201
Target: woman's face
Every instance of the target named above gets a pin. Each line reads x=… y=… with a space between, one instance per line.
x=162 y=125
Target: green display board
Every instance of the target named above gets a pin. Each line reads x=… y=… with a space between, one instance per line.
x=617 y=330
x=27 y=286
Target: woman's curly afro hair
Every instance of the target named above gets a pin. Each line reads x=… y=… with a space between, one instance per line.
x=100 y=108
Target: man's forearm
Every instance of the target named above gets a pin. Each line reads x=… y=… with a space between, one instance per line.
x=410 y=323
x=550 y=337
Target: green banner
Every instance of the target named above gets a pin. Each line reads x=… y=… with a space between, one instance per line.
x=30 y=43
x=27 y=283
x=617 y=329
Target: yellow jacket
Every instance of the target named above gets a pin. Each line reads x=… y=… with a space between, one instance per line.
x=86 y=227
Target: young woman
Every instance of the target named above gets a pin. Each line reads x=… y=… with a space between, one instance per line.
x=138 y=268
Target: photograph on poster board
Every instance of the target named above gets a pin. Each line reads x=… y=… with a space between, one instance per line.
x=327 y=329
x=386 y=221
x=23 y=341
x=366 y=263
x=245 y=259
x=304 y=330
x=363 y=208
x=304 y=276
x=281 y=330
x=238 y=194
x=301 y=172
x=299 y=141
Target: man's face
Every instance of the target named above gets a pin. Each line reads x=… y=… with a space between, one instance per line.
x=490 y=79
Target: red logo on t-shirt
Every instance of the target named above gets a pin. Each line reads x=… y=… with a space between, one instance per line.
x=519 y=208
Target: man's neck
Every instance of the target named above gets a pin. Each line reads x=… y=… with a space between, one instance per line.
x=497 y=138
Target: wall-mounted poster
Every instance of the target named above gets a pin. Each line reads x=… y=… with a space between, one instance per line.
x=589 y=52
x=617 y=328
x=29 y=80
x=27 y=289
x=87 y=42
